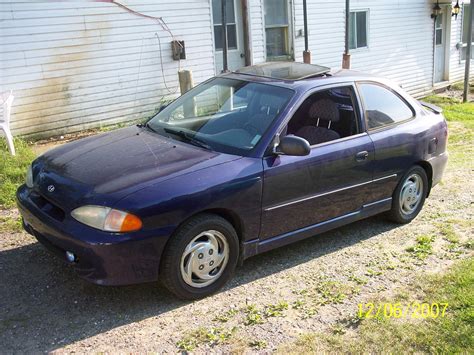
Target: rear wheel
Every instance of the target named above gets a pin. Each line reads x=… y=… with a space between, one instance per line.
x=200 y=257
x=409 y=196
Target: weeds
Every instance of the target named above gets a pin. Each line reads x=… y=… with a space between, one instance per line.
x=211 y=336
x=253 y=315
x=226 y=316
x=448 y=233
x=423 y=247
x=258 y=344
x=358 y=280
x=275 y=310
x=258 y=316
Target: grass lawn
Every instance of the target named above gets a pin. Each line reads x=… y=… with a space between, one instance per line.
x=13 y=170
x=460 y=117
x=453 y=333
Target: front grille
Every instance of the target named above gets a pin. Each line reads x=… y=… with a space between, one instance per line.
x=48 y=207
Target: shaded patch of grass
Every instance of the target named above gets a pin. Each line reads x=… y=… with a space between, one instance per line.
x=423 y=247
x=459 y=86
x=10 y=225
x=449 y=334
x=448 y=233
x=258 y=344
x=13 y=170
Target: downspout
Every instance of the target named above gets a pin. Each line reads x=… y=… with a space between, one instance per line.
x=306 y=52
x=468 y=54
x=225 y=65
x=434 y=55
x=346 y=57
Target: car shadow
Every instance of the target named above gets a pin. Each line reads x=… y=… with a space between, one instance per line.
x=45 y=306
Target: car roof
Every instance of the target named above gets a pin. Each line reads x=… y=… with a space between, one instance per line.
x=320 y=76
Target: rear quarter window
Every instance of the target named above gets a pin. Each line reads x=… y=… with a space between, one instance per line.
x=382 y=106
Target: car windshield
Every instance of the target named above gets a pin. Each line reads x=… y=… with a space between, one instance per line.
x=222 y=114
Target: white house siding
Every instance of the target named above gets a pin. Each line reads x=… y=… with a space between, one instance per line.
x=456 y=66
x=400 y=42
x=325 y=30
x=400 y=39
x=76 y=65
x=257 y=31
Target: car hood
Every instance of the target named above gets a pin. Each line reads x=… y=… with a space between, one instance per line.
x=120 y=162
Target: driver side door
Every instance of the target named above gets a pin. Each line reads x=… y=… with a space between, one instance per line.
x=332 y=181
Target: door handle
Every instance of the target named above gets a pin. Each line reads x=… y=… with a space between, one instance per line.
x=362 y=156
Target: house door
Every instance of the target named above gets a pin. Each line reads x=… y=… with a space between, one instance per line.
x=235 y=34
x=440 y=47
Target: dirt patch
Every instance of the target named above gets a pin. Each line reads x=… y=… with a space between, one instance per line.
x=43 y=145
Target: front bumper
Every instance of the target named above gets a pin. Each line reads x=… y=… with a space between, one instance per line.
x=101 y=258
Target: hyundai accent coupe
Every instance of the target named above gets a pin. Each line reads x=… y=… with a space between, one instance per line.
x=241 y=164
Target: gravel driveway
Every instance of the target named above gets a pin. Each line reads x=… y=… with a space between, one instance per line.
x=308 y=286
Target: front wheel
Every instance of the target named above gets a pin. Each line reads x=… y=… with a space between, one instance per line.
x=409 y=196
x=200 y=257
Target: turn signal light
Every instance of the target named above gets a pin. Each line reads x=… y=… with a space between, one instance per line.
x=122 y=221
x=107 y=219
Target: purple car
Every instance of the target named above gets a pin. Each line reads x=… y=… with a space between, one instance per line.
x=243 y=163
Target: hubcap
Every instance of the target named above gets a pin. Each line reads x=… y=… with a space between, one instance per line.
x=410 y=194
x=204 y=259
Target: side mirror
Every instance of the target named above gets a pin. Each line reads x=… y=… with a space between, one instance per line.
x=292 y=145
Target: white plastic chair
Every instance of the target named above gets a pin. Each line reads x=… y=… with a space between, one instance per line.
x=7 y=101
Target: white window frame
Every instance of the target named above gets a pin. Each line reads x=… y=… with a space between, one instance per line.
x=290 y=39
x=367 y=29
x=228 y=23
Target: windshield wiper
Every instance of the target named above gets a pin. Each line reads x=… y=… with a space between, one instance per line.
x=188 y=137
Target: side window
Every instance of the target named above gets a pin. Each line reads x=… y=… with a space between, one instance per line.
x=382 y=106
x=358 y=29
x=325 y=116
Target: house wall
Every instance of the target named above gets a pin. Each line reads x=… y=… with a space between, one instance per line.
x=76 y=65
x=257 y=31
x=456 y=66
x=400 y=40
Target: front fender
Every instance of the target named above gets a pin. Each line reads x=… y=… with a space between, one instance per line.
x=234 y=186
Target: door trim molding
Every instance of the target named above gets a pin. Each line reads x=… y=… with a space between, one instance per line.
x=257 y=246
x=328 y=193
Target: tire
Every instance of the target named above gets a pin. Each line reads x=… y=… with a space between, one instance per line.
x=409 y=196
x=200 y=257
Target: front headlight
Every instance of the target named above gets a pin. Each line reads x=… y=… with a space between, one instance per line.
x=107 y=219
x=29 y=177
